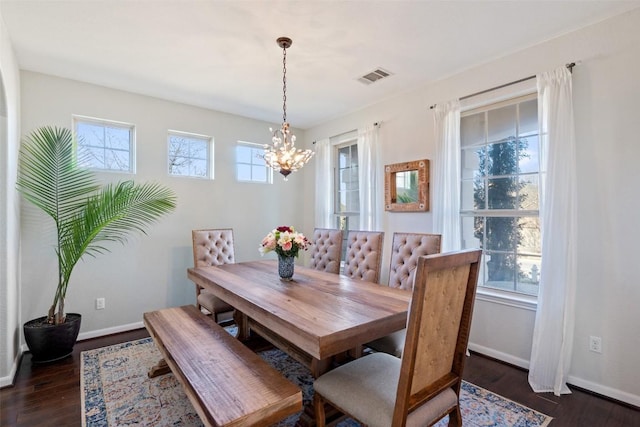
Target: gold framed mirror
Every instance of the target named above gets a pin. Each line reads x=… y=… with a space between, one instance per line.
x=406 y=186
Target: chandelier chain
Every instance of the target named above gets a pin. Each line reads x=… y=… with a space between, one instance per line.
x=284 y=85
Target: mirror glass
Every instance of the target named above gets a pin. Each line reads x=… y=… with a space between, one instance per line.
x=407 y=187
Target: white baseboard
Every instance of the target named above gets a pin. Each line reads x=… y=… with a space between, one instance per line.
x=509 y=358
x=8 y=380
x=108 y=331
x=100 y=332
x=613 y=393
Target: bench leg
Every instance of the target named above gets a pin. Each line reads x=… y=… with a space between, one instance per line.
x=158 y=369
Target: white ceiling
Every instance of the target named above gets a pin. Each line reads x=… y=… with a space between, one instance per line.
x=223 y=54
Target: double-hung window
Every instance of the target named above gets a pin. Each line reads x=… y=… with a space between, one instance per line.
x=346 y=188
x=190 y=155
x=250 y=164
x=104 y=144
x=500 y=183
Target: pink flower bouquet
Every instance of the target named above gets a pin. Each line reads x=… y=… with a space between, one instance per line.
x=285 y=241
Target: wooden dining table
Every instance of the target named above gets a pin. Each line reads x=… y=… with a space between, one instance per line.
x=313 y=317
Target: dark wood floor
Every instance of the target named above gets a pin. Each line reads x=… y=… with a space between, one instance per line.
x=49 y=395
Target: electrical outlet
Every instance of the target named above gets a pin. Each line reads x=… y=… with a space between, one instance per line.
x=100 y=302
x=595 y=344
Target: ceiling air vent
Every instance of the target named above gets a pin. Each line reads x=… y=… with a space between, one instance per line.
x=374 y=76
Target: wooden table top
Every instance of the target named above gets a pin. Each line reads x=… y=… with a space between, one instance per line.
x=321 y=313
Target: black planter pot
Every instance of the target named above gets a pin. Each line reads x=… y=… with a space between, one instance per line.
x=49 y=343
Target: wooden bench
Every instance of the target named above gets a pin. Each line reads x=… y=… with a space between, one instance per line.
x=227 y=383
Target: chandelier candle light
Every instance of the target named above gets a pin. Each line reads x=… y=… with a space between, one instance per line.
x=283 y=156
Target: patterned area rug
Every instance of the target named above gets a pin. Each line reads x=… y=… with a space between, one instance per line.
x=116 y=391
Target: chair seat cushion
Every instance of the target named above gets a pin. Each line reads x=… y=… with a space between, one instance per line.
x=366 y=389
x=212 y=303
x=392 y=344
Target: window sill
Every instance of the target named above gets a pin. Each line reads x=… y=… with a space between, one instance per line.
x=507 y=298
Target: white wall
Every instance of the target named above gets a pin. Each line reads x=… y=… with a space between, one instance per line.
x=150 y=272
x=9 y=206
x=606 y=96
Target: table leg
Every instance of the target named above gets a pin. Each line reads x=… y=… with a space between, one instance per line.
x=158 y=369
x=319 y=367
x=243 y=325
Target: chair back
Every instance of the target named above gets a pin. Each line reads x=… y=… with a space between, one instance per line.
x=326 y=250
x=437 y=331
x=212 y=247
x=364 y=255
x=405 y=251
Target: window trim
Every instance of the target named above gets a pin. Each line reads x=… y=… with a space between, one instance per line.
x=210 y=153
x=75 y=118
x=267 y=168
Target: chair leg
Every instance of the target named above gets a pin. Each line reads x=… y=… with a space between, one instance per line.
x=455 y=417
x=197 y=295
x=318 y=404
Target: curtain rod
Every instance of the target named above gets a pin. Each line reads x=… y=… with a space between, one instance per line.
x=377 y=124
x=569 y=66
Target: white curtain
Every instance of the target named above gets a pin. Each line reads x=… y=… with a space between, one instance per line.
x=446 y=179
x=324 y=184
x=370 y=179
x=554 y=325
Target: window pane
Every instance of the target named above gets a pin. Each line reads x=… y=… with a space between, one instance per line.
x=503 y=193
x=502 y=123
x=471 y=159
x=259 y=173
x=530 y=237
x=92 y=157
x=244 y=172
x=90 y=134
x=257 y=158
x=198 y=167
x=529 y=192
x=180 y=170
x=243 y=154
x=501 y=268
x=529 y=118
x=353 y=202
x=467 y=195
x=528 y=274
x=501 y=158
x=116 y=160
x=472 y=130
x=117 y=138
x=501 y=234
x=529 y=157
x=343 y=157
x=198 y=149
x=471 y=232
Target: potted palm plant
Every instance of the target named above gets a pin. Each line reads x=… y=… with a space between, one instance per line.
x=86 y=215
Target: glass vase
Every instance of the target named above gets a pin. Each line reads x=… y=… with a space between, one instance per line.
x=285 y=266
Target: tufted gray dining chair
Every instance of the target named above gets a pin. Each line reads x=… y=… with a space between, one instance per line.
x=364 y=255
x=212 y=247
x=423 y=386
x=326 y=250
x=405 y=251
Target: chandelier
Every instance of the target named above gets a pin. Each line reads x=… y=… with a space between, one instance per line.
x=283 y=156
